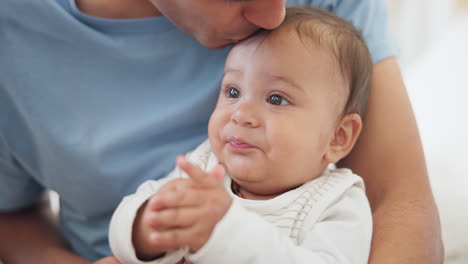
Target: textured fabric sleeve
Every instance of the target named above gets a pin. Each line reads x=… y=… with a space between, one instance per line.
x=120 y=231
x=371 y=18
x=17 y=188
x=343 y=235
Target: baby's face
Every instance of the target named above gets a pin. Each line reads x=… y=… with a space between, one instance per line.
x=276 y=113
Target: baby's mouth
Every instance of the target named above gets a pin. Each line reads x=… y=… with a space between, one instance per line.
x=239 y=143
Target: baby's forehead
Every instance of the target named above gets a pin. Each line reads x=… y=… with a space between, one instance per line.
x=286 y=40
x=265 y=43
x=264 y=36
x=309 y=57
x=288 y=37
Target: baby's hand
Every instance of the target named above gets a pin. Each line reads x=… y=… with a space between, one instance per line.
x=143 y=233
x=184 y=212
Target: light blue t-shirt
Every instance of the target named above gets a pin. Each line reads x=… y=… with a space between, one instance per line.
x=92 y=107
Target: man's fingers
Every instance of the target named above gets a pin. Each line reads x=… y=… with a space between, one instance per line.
x=197 y=174
x=107 y=260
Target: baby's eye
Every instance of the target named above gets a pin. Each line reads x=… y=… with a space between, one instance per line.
x=277 y=100
x=233 y=92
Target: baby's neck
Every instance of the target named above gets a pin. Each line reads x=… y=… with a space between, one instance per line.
x=245 y=194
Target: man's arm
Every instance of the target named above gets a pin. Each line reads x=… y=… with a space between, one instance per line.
x=29 y=236
x=389 y=157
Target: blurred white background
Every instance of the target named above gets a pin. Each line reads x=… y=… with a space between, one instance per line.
x=433 y=40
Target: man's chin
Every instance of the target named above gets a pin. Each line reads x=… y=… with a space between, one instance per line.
x=213 y=43
x=216 y=45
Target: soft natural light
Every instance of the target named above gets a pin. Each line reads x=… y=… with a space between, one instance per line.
x=433 y=40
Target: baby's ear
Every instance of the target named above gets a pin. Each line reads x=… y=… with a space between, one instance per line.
x=346 y=133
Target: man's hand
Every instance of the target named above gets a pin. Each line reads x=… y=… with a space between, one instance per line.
x=107 y=260
x=33 y=231
x=184 y=212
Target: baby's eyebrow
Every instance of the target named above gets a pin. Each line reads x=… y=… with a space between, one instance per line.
x=286 y=80
x=272 y=77
x=229 y=70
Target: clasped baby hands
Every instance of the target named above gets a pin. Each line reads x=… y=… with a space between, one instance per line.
x=183 y=213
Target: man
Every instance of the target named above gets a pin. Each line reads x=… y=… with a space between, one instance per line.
x=96 y=96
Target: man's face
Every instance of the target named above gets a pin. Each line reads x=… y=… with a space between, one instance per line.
x=276 y=114
x=217 y=23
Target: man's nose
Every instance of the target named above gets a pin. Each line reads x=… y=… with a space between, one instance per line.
x=267 y=14
x=245 y=115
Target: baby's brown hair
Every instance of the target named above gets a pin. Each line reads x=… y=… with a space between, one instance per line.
x=338 y=36
x=342 y=39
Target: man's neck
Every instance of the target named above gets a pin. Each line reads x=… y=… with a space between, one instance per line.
x=118 y=8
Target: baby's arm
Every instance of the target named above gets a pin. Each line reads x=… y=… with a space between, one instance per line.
x=341 y=235
x=127 y=219
x=143 y=232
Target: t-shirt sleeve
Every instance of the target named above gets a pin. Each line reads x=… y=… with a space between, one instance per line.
x=371 y=18
x=17 y=188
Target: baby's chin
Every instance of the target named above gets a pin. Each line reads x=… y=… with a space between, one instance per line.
x=240 y=173
x=246 y=175
x=245 y=168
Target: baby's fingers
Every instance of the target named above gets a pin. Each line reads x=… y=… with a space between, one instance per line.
x=184 y=195
x=192 y=237
x=174 y=218
x=218 y=172
x=203 y=178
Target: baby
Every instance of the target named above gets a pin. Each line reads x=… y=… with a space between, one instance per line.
x=261 y=189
